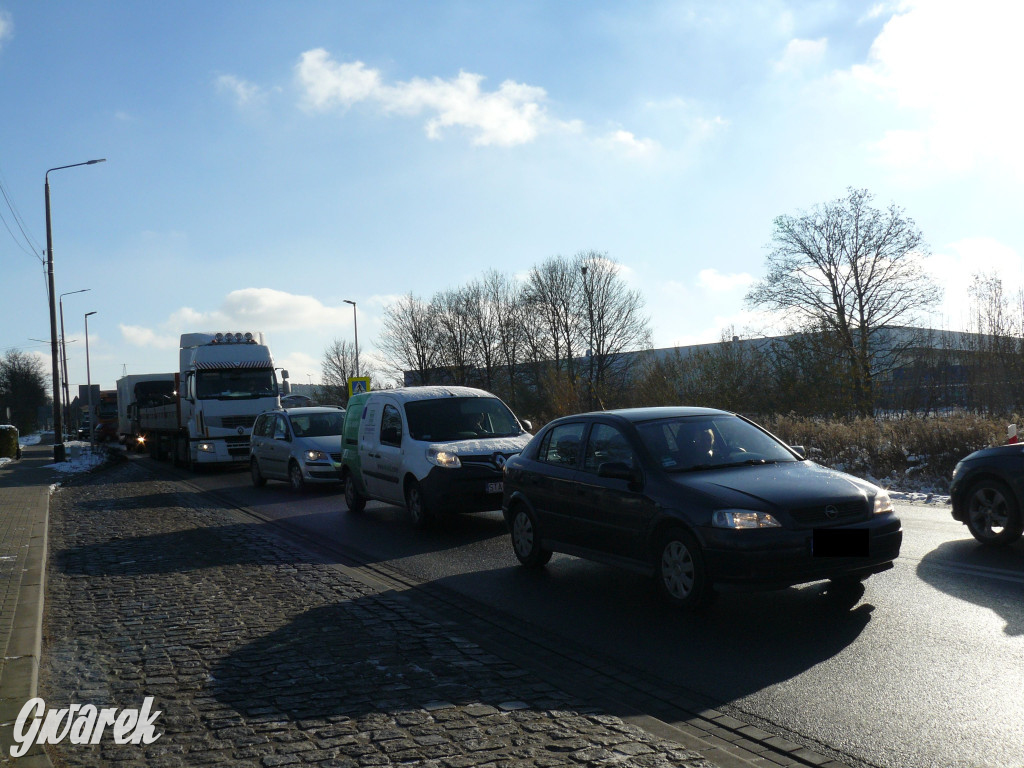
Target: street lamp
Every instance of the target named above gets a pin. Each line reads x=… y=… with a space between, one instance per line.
x=88 y=381
x=355 y=327
x=64 y=354
x=58 y=425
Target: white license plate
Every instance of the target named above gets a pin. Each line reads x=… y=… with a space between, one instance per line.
x=495 y=487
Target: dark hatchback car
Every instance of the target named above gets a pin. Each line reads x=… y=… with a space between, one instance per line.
x=987 y=493
x=695 y=497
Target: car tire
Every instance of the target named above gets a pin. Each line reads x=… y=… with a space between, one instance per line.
x=295 y=479
x=680 y=571
x=993 y=515
x=416 y=508
x=354 y=500
x=526 y=542
x=258 y=480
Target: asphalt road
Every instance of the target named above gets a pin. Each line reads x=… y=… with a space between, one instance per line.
x=926 y=669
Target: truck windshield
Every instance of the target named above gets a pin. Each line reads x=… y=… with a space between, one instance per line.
x=460 y=418
x=236 y=383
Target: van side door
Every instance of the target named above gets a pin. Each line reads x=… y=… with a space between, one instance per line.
x=380 y=450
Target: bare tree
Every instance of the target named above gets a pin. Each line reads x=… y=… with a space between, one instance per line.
x=615 y=323
x=408 y=341
x=337 y=366
x=455 y=339
x=852 y=269
x=506 y=302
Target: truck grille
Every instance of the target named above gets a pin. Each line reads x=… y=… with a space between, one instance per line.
x=238 y=447
x=234 y=422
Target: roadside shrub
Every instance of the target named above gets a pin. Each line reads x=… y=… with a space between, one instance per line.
x=8 y=441
x=918 y=448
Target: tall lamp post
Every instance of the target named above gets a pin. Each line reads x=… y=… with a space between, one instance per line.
x=88 y=381
x=58 y=424
x=355 y=327
x=64 y=354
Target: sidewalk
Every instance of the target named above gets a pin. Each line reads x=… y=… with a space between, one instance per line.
x=24 y=508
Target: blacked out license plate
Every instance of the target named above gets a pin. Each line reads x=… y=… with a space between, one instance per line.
x=829 y=542
x=495 y=487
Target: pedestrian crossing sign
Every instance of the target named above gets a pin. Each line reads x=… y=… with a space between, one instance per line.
x=357 y=384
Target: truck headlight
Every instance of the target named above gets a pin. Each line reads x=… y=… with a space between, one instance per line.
x=445 y=459
x=743 y=518
x=883 y=504
x=207 y=447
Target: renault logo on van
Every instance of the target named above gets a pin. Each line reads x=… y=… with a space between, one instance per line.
x=499 y=460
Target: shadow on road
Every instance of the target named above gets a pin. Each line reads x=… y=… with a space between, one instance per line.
x=991 y=577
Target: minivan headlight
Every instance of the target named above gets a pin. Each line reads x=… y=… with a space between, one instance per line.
x=315 y=456
x=743 y=518
x=883 y=504
x=441 y=458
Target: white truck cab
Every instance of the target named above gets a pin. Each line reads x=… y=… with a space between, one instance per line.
x=433 y=450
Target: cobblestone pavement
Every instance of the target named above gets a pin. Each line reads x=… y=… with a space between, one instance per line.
x=259 y=653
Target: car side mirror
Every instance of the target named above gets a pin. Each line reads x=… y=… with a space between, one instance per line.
x=528 y=424
x=799 y=450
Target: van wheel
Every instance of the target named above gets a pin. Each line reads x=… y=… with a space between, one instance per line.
x=354 y=500
x=680 y=572
x=258 y=480
x=295 y=479
x=419 y=514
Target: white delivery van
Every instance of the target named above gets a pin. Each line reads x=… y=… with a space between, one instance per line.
x=433 y=450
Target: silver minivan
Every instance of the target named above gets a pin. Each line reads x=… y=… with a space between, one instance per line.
x=297 y=445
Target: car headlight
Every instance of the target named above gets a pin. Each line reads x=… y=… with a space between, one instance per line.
x=958 y=469
x=315 y=456
x=445 y=459
x=883 y=504
x=743 y=518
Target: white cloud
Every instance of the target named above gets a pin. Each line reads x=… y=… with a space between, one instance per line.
x=801 y=55
x=6 y=27
x=715 y=281
x=633 y=146
x=956 y=265
x=144 y=337
x=244 y=92
x=954 y=75
x=513 y=114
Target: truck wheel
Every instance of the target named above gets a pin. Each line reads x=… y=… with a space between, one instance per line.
x=993 y=516
x=354 y=500
x=295 y=478
x=258 y=480
x=416 y=507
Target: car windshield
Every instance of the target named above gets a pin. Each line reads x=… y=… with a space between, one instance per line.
x=236 y=383
x=691 y=443
x=317 y=424
x=460 y=418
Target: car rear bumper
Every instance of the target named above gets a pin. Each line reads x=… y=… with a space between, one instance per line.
x=782 y=558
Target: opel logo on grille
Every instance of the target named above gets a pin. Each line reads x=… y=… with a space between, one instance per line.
x=831 y=512
x=499 y=460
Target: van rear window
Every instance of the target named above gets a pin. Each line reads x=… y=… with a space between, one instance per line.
x=460 y=418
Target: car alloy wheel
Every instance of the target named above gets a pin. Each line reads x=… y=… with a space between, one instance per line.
x=295 y=478
x=680 y=571
x=525 y=541
x=354 y=500
x=258 y=480
x=992 y=513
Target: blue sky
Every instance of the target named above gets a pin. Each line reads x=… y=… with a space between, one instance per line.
x=267 y=160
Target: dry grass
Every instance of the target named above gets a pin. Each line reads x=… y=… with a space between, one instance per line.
x=924 y=448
